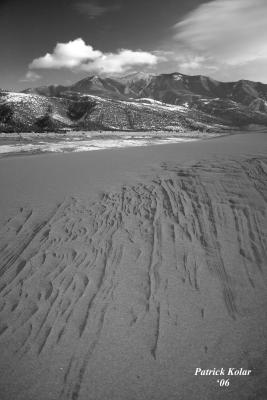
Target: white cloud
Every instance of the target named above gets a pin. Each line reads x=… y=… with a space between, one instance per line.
x=31 y=76
x=66 y=55
x=77 y=55
x=192 y=62
x=94 y=10
x=231 y=32
x=120 y=62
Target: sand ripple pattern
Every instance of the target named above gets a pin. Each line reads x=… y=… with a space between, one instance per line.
x=121 y=264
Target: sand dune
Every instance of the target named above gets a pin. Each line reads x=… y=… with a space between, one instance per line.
x=124 y=296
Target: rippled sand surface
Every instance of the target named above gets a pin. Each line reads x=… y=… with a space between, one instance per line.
x=122 y=295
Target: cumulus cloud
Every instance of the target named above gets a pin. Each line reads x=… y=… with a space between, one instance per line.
x=94 y=10
x=231 y=32
x=77 y=55
x=119 y=62
x=31 y=76
x=66 y=55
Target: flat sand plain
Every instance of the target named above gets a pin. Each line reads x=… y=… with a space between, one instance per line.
x=122 y=271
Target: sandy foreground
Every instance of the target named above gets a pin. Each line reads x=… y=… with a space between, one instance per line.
x=123 y=271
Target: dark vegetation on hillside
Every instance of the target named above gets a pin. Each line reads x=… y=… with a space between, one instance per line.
x=106 y=103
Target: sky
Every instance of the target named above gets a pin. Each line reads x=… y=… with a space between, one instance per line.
x=61 y=41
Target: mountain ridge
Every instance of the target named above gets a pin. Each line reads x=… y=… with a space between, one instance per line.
x=137 y=101
x=177 y=82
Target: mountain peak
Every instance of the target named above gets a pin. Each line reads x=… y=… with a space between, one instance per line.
x=156 y=101
x=136 y=76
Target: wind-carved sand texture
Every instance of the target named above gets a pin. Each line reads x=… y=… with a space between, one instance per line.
x=124 y=297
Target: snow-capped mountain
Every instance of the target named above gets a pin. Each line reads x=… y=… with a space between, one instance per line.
x=137 y=101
